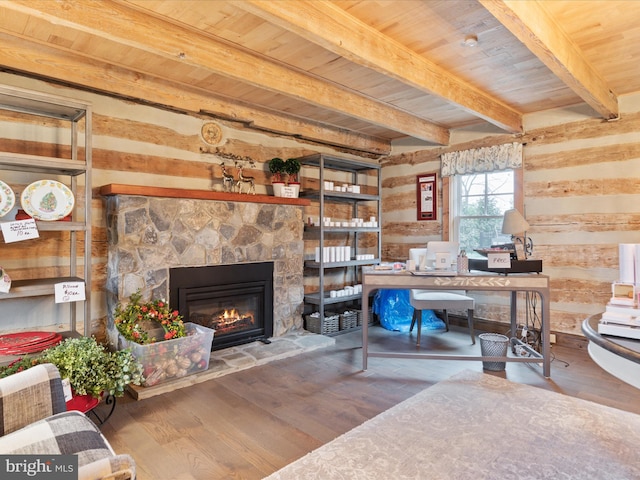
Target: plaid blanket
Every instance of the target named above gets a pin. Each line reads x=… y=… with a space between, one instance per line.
x=34 y=421
x=29 y=396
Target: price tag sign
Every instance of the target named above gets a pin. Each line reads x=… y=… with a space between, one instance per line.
x=66 y=389
x=19 y=230
x=288 y=192
x=499 y=260
x=66 y=292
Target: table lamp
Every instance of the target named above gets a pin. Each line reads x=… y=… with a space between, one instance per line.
x=513 y=224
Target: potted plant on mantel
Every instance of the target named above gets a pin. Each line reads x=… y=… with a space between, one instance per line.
x=292 y=168
x=276 y=167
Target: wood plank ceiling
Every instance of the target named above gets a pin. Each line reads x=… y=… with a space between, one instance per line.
x=357 y=74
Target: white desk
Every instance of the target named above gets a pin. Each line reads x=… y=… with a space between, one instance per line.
x=386 y=279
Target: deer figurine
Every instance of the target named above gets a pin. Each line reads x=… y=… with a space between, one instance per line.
x=227 y=179
x=242 y=179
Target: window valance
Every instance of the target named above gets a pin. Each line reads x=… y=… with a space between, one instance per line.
x=481 y=160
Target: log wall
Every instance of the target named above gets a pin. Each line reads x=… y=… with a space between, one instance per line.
x=133 y=144
x=581 y=188
x=581 y=197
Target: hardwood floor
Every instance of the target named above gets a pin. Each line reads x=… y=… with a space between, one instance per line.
x=251 y=423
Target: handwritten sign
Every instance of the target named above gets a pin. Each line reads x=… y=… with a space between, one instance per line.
x=66 y=389
x=66 y=292
x=19 y=230
x=499 y=260
x=288 y=192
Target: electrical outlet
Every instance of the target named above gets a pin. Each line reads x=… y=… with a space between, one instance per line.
x=552 y=338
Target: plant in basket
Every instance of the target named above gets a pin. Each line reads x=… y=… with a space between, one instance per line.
x=135 y=319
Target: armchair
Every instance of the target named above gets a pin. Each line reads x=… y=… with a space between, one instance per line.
x=34 y=421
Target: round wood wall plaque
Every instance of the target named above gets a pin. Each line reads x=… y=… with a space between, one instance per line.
x=211 y=133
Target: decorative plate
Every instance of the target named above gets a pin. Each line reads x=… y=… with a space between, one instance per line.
x=47 y=200
x=26 y=342
x=37 y=347
x=211 y=133
x=7 y=199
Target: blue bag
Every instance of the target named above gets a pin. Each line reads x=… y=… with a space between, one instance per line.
x=395 y=312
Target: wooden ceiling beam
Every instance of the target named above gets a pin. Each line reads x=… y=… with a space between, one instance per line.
x=131 y=28
x=20 y=54
x=331 y=27
x=536 y=29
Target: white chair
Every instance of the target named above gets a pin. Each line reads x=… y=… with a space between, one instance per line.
x=438 y=299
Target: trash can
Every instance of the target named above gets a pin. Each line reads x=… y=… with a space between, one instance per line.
x=493 y=345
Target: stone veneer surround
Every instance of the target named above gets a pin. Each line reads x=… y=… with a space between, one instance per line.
x=149 y=235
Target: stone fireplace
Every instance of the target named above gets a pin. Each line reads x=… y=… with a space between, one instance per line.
x=150 y=234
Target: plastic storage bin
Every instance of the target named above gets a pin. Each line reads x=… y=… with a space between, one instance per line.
x=169 y=359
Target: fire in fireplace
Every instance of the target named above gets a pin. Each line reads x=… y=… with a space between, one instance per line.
x=234 y=300
x=231 y=321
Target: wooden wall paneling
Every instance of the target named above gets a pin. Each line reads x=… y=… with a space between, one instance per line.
x=579 y=191
x=140 y=144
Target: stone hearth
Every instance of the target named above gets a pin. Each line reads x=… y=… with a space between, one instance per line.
x=149 y=235
x=241 y=357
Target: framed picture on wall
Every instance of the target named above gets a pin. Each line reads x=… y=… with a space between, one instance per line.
x=426 y=196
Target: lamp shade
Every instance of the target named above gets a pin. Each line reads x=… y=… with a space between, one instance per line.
x=513 y=222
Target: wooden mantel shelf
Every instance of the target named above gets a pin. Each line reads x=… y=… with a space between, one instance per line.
x=119 y=189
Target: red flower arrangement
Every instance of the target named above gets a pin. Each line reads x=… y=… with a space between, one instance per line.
x=133 y=320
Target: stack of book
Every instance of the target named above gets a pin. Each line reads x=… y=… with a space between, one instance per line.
x=620 y=321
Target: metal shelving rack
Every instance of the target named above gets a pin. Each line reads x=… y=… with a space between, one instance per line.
x=324 y=163
x=60 y=108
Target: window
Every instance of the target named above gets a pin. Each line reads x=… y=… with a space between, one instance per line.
x=479 y=201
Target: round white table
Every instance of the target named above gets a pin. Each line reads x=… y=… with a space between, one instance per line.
x=617 y=355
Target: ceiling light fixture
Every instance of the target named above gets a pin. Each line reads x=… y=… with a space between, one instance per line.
x=470 y=41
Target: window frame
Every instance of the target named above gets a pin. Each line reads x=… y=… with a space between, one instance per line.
x=448 y=219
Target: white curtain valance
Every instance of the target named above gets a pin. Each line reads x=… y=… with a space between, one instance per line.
x=481 y=160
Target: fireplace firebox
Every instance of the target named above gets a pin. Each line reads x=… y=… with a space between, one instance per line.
x=234 y=300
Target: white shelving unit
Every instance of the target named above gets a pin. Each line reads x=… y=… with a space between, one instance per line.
x=359 y=173
x=67 y=170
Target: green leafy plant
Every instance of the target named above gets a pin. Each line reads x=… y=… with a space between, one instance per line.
x=135 y=319
x=89 y=366
x=92 y=369
x=292 y=168
x=276 y=167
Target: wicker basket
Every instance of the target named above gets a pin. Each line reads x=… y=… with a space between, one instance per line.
x=348 y=319
x=360 y=318
x=331 y=323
